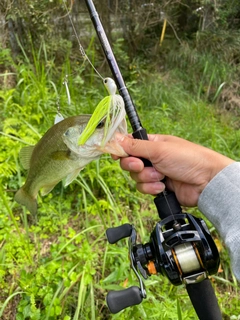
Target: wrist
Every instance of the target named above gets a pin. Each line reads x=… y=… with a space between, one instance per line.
x=218 y=163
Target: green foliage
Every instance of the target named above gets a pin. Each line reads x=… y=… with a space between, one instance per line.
x=59 y=266
x=204 y=74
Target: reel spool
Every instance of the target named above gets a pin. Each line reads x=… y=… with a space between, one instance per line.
x=185 y=253
x=187 y=258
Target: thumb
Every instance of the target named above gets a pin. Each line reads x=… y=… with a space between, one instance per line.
x=138 y=148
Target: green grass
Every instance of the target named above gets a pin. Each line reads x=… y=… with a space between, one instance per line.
x=59 y=265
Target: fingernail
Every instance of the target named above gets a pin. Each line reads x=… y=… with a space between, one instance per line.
x=159 y=187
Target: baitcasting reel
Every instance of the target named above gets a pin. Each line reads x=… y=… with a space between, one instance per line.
x=180 y=247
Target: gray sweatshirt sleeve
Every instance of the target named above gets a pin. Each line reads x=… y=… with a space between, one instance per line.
x=220 y=203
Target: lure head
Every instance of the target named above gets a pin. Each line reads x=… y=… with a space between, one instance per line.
x=110 y=85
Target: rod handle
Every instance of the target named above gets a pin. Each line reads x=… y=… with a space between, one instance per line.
x=204 y=300
x=141 y=134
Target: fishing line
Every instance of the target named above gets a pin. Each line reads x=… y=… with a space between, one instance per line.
x=81 y=49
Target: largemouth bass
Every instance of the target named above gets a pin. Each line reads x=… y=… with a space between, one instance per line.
x=51 y=160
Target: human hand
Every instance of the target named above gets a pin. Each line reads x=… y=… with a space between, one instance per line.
x=188 y=167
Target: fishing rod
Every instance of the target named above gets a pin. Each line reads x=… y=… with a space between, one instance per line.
x=180 y=246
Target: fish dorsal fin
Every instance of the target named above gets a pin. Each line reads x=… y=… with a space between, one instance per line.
x=58 y=118
x=70 y=177
x=25 y=155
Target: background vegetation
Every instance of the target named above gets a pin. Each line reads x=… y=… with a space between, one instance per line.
x=58 y=265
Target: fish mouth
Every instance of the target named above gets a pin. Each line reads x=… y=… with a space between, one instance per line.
x=113 y=147
x=110 y=144
x=103 y=139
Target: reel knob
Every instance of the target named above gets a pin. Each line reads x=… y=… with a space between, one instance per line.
x=118 y=233
x=119 y=300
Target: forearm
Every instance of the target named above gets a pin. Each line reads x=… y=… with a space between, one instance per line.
x=220 y=203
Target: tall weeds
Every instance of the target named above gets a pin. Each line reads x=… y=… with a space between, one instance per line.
x=60 y=266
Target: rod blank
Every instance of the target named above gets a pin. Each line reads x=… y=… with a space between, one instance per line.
x=129 y=106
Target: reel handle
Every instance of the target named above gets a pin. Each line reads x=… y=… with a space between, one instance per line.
x=121 y=299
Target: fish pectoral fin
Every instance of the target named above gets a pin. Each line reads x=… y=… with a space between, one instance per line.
x=60 y=155
x=70 y=177
x=46 y=189
x=25 y=155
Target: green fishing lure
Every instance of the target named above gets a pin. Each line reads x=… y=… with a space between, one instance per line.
x=107 y=113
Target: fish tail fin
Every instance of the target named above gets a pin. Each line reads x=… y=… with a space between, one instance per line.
x=23 y=198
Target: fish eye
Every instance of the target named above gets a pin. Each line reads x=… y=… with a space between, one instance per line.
x=101 y=124
x=66 y=133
